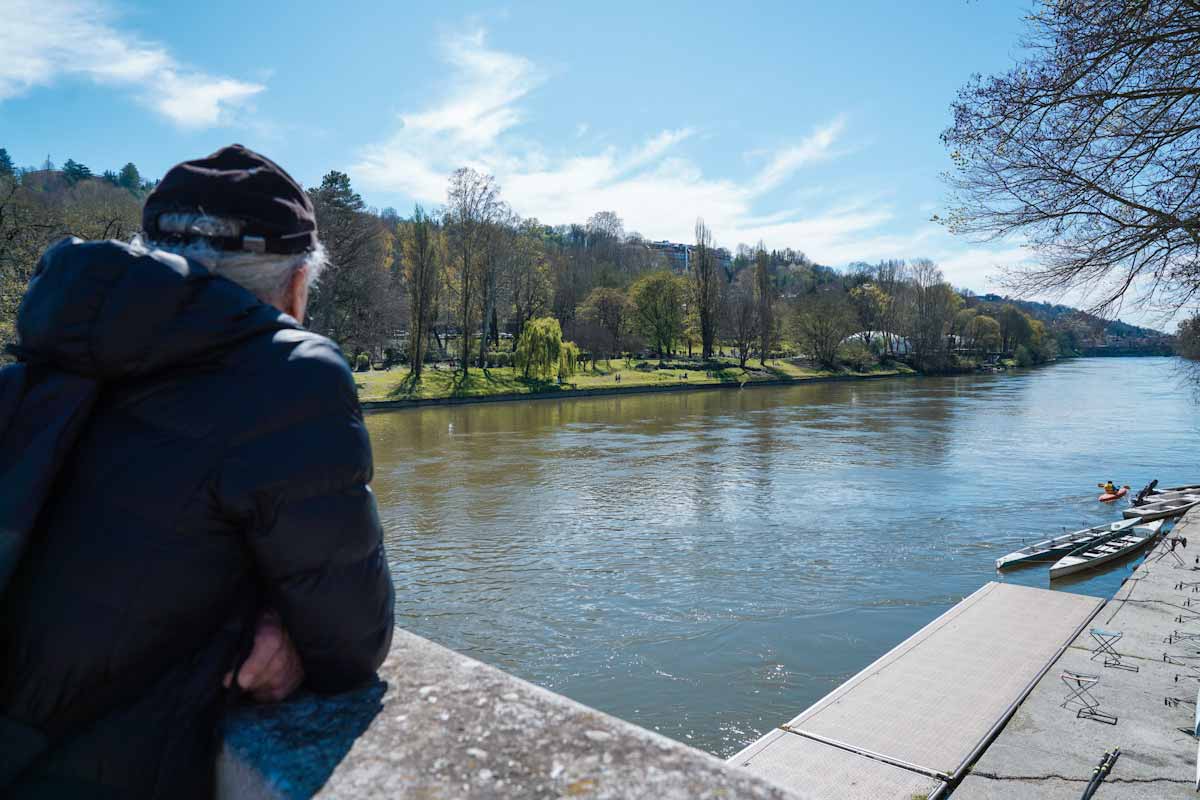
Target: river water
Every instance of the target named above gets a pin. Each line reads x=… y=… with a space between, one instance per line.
x=707 y=564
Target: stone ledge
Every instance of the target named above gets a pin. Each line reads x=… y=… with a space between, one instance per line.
x=438 y=724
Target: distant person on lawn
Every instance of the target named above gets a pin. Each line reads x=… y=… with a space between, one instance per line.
x=211 y=532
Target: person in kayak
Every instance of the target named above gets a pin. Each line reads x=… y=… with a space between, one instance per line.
x=1109 y=488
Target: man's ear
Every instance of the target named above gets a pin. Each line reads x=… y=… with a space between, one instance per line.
x=297 y=294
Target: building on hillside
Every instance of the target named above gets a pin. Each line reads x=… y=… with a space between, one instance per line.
x=724 y=259
x=680 y=256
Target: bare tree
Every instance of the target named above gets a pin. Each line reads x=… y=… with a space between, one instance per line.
x=871 y=305
x=498 y=241
x=528 y=273
x=740 y=320
x=822 y=320
x=1088 y=149
x=1188 y=335
x=422 y=267
x=609 y=310
x=890 y=278
x=929 y=311
x=706 y=280
x=765 y=294
x=983 y=334
x=606 y=225
x=657 y=300
x=472 y=203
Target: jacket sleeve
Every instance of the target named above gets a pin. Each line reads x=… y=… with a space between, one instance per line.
x=300 y=484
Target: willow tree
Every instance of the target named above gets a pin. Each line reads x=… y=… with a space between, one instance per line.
x=539 y=350
x=1087 y=149
x=568 y=360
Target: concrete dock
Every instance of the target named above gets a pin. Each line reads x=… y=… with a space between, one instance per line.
x=1046 y=752
x=911 y=723
x=971 y=706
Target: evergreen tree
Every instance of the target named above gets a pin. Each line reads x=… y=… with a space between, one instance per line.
x=130 y=178
x=336 y=192
x=75 y=172
x=6 y=163
x=111 y=177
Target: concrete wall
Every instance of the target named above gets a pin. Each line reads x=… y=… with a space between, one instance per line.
x=440 y=725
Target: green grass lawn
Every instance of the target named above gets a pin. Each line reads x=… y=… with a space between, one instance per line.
x=395 y=384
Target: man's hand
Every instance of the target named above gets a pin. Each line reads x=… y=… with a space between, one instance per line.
x=273 y=670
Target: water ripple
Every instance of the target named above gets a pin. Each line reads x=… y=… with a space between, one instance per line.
x=707 y=564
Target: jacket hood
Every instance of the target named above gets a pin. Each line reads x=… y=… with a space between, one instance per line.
x=107 y=310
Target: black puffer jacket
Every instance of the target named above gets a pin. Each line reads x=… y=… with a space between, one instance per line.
x=224 y=467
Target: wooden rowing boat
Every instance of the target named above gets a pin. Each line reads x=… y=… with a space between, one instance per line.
x=1192 y=487
x=1163 y=509
x=1110 y=548
x=1051 y=549
x=1174 y=494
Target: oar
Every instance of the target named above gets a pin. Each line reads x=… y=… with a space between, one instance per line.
x=1091 y=785
x=1087 y=790
x=1098 y=775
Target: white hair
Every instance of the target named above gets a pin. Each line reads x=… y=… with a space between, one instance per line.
x=266 y=275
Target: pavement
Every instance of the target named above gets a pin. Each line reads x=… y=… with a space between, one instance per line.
x=1046 y=751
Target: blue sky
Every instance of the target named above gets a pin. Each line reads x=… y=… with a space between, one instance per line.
x=805 y=124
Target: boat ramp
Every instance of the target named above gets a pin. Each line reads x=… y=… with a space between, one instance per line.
x=971 y=705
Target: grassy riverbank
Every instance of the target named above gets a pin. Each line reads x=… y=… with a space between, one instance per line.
x=437 y=384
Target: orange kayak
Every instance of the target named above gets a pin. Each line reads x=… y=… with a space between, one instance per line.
x=1108 y=498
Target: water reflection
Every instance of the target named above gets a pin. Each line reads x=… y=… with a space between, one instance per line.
x=709 y=563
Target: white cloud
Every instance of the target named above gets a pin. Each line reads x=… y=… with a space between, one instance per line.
x=817 y=147
x=480 y=105
x=47 y=40
x=653 y=186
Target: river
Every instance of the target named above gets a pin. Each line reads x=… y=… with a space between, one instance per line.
x=707 y=564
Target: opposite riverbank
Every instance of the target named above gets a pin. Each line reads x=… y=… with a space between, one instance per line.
x=387 y=390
